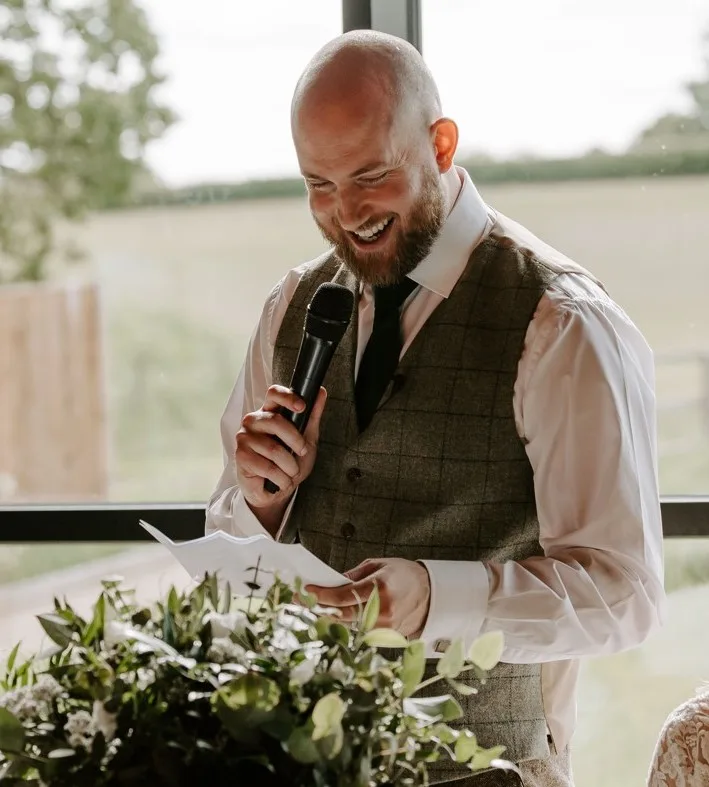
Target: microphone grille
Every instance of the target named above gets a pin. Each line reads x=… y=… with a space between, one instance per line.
x=332 y=302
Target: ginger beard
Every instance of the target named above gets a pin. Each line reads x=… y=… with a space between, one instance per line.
x=412 y=238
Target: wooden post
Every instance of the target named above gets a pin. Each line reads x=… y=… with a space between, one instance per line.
x=53 y=431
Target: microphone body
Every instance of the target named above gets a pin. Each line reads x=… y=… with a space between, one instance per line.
x=327 y=319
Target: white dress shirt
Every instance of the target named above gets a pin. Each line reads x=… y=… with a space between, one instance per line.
x=584 y=406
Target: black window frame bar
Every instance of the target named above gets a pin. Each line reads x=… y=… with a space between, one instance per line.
x=683 y=517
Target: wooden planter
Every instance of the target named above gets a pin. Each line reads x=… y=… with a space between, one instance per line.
x=53 y=433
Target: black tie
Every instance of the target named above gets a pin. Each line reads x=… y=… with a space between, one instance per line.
x=381 y=355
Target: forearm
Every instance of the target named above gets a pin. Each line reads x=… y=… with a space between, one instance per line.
x=581 y=603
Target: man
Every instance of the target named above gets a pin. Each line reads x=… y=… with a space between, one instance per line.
x=504 y=476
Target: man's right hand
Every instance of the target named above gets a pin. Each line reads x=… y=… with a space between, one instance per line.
x=259 y=455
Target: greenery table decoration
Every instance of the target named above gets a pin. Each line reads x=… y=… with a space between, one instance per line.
x=205 y=688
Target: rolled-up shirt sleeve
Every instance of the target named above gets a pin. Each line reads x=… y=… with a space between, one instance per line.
x=585 y=408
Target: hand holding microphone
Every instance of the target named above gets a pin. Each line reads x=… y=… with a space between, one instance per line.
x=276 y=445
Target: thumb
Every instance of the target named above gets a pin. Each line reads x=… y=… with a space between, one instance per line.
x=312 y=431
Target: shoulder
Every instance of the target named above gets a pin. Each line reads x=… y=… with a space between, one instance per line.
x=681 y=753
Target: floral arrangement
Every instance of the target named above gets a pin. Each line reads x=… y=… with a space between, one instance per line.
x=206 y=688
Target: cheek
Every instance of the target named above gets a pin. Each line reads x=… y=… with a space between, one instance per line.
x=321 y=206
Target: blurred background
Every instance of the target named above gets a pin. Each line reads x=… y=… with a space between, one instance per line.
x=149 y=200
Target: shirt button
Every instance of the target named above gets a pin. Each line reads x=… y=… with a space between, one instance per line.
x=353 y=474
x=347 y=530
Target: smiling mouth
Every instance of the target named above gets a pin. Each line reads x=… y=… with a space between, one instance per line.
x=373 y=233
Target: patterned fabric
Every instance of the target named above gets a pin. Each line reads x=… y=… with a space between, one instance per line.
x=440 y=472
x=681 y=757
x=554 y=771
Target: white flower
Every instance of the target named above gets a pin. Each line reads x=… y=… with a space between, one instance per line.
x=303 y=672
x=284 y=641
x=115 y=632
x=144 y=678
x=22 y=704
x=339 y=670
x=103 y=721
x=46 y=689
x=225 y=624
x=223 y=650
x=80 y=730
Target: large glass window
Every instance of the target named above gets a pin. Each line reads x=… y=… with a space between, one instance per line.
x=114 y=370
x=589 y=123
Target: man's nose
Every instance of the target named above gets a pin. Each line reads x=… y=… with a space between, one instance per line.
x=351 y=211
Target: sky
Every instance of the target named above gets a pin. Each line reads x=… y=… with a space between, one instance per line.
x=544 y=77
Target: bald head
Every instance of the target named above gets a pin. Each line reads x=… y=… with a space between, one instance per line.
x=367 y=71
x=375 y=153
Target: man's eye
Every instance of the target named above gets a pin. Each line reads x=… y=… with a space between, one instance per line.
x=374 y=178
x=317 y=184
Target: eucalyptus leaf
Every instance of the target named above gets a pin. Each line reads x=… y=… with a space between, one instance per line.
x=331 y=745
x=251 y=690
x=327 y=715
x=466 y=746
x=452 y=661
x=413 y=667
x=444 y=708
x=301 y=746
x=484 y=758
x=12 y=733
x=370 y=616
x=385 y=638
x=462 y=688
x=486 y=651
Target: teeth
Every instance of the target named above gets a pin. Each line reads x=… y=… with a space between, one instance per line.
x=370 y=232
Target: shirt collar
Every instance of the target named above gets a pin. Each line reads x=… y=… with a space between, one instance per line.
x=465 y=226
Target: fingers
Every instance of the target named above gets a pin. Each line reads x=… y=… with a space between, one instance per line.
x=264 y=445
x=254 y=466
x=365 y=569
x=280 y=396
x=271 y=423
x=312 y=431
x=350 y=595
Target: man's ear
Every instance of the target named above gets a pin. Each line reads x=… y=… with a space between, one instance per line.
x=444 y=133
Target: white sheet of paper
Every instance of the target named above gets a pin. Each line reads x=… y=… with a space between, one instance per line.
x=234 y=558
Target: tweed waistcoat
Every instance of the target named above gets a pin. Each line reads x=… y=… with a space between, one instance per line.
x=440 y=472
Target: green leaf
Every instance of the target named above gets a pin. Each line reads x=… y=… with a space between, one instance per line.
x=226 y=605
x=213 y=590
x=169 y=630
x=327 y=715
x=173 y=601
x=484 y=758
x=385 y=638
x=340 y=634
x=331 y=745
x=413 y=666
x=12 y=657
x=56 y=629
x=462 y=688
x=452 y=661
x=444 y=708
x=12 y=733
x=370 y=616
x=466 y=746
x=486 y=651
x=94 y=629
x=301 y=746
x=251 y=691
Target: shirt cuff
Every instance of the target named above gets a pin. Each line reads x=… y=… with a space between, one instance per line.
x=245 y=523
x=457 y=605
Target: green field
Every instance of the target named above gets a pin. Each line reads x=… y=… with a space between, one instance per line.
x=183 y=288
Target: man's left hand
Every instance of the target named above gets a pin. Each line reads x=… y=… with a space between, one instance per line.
x=404 y=594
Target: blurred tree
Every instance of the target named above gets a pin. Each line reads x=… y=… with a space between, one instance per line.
x=77 y=109
x=676 y=131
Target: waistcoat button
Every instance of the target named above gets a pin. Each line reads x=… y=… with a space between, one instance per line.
x=353 y=474
x=347 y=530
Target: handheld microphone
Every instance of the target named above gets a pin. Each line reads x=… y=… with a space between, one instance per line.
x=328 y=315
